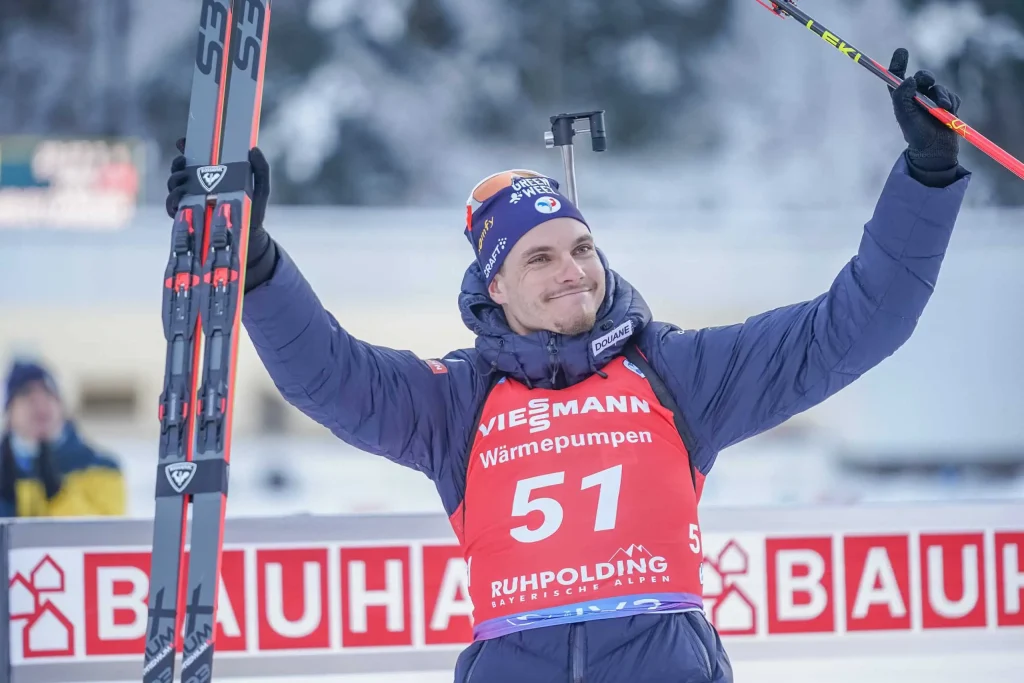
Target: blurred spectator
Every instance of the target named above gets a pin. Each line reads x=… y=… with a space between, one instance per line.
x=46 y=470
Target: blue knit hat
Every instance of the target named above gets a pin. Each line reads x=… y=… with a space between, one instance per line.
x=23 y=373
x=494 y=225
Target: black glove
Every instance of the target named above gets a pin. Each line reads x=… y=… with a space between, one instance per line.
x=262 y=255
x=932 y=147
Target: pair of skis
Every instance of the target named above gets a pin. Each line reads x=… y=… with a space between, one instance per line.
x=202 y=304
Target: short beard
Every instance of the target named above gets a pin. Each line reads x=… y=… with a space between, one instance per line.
x=584 y=322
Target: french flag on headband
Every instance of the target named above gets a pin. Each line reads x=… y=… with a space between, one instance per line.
x=500 y=221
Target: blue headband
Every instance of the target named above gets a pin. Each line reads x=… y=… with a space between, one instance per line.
x=501 y=221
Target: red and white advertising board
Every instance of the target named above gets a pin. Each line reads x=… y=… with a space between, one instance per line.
x=357 y=601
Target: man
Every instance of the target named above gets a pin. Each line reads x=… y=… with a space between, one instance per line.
x=570 y=446
x=46 y=470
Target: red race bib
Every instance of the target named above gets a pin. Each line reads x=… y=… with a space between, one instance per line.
x=579 y=505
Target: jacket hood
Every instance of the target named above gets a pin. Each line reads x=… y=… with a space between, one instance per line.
x=548 y=360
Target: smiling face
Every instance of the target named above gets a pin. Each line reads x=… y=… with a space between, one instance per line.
x=552 y=280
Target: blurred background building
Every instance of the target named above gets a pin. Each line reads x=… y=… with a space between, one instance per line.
x=744 y=158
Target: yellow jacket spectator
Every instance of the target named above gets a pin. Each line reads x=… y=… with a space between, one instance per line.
x=46 y=469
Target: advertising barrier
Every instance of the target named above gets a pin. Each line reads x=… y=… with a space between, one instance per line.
x=68 y=183
x=311 y=595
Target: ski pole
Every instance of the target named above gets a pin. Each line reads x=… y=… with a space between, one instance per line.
x=783 y=8
x=561 y=135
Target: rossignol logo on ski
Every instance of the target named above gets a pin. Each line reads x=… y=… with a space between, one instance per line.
x=210 y=176
x=179 y=474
